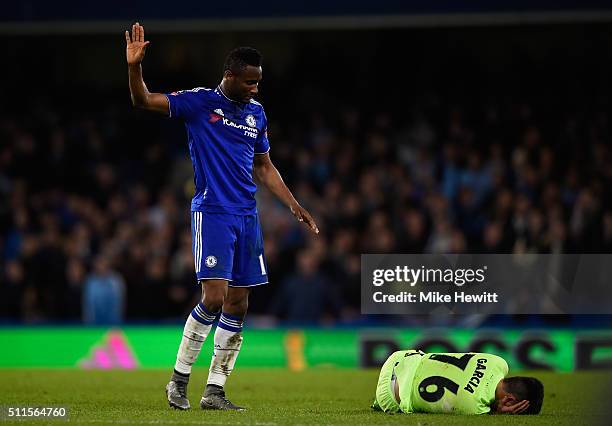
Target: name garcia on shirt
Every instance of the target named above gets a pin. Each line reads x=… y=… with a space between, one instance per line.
x=478 y=374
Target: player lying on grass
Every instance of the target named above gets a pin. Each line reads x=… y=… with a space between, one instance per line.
x=454 y=383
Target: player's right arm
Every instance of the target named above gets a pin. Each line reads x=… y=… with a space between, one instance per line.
x=135 y=52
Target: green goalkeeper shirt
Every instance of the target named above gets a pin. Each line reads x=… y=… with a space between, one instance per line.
x=457 y=383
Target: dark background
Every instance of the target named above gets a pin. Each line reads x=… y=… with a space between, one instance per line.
x=449 y=138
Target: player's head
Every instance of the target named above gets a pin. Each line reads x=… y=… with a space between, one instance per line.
x=242 y=73
x=513 y=390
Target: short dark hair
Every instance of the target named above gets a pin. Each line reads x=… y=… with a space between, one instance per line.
x=528 y=388
x=239 y=58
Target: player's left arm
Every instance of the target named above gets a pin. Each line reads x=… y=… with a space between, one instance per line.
x=267 y=174
x=509 y=406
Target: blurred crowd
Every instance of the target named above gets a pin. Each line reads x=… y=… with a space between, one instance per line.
x=94 y=210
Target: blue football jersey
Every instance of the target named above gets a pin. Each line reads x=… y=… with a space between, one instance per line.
x=223 y=135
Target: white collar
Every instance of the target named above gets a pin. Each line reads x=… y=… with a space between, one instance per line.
x=226 y=97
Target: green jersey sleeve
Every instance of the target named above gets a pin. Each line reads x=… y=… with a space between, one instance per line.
x=458 y=383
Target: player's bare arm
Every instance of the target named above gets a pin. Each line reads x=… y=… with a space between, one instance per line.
x=506 y=406
x=267 y=174
x=136 y=47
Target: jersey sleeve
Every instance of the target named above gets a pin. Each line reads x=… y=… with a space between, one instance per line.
x=262 y=145
x=503 y=366
x=186 y=104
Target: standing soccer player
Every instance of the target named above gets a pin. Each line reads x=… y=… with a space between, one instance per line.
x=227 y=131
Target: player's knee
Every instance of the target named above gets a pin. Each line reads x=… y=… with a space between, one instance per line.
x=213 y=305
x=237 y=307
x=213 y=296
x=213 y=301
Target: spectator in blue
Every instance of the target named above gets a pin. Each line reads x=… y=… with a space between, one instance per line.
x=308 y=295
x=103 y=295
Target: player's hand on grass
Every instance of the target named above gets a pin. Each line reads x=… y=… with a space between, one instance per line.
x=136 y=45
x=517 y=408
x=302 y=215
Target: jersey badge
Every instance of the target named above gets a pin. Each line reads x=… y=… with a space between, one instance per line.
x=211 y=261
x=250 y=120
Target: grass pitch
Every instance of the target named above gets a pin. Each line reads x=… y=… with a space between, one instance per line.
x=274 y=397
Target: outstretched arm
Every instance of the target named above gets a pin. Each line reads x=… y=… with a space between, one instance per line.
x=135 y=52
x=268 y=175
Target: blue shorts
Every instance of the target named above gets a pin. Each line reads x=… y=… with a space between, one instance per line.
x=228 y=247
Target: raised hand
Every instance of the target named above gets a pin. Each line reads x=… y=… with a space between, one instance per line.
x=136 y=45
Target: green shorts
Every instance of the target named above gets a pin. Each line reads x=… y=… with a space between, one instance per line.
x=404 y=365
